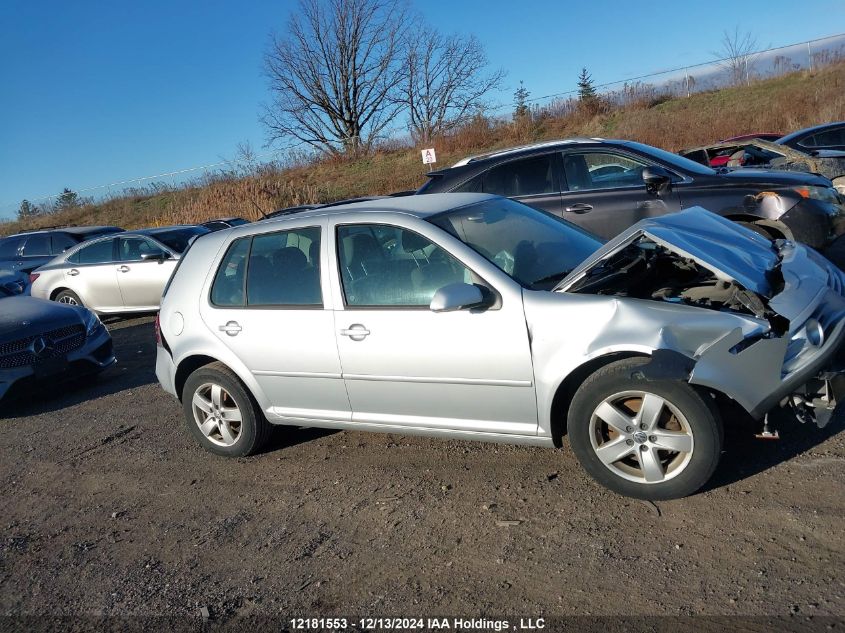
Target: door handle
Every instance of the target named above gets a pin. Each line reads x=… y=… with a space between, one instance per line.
x=124 y=269
x=232 y=328
x=356 y=332
x=579 y=208
x=73 y=272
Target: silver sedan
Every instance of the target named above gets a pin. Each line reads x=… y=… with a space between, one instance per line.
x=115 y=273
x=476 y=317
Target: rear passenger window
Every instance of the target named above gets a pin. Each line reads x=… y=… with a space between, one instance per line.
x=228 y=287
x=96 y=253
x=389 y=266
x=272 y=269
x=521 y=177
x=37 y=245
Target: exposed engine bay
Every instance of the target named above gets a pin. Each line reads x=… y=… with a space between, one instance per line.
x=647 y=270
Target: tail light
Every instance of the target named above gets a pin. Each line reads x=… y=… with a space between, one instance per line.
x=158 y=330
x=33 y=277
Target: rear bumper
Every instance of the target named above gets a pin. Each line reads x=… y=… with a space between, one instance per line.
x=166 y=371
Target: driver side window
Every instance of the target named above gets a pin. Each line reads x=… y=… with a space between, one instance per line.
x=384 y=265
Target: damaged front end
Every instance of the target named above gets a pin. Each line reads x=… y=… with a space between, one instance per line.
x=793 y=295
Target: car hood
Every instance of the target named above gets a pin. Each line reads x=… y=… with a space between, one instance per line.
x=26 y=316
x=731 y=251
x=770 y=177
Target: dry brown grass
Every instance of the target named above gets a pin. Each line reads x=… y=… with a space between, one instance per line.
x=775 y=105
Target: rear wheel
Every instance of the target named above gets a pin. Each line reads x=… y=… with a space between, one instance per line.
x=649 y=439
x=221 y=414
x=68 y=297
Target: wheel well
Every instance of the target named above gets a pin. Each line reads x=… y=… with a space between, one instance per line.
x=566 y=390
x=56 y=292
x=771 y=226
x=188 y=367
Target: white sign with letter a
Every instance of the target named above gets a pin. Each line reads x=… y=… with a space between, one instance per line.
x=429 y=156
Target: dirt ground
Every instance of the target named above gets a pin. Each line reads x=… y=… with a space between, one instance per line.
x=110 y=508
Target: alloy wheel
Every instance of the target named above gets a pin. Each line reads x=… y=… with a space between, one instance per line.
x=641 y=437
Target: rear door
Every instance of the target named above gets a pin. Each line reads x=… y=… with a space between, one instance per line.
x=91 y=273
x=266 y=304
x=533 y=181
x=605 y=193
x=142 y=280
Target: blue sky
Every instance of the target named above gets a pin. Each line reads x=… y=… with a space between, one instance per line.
x=95 y=92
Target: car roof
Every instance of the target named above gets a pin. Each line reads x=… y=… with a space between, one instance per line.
x=809 y=130
x=164 y=229
x=420 y=206
x=526 y=148
x=73 y=230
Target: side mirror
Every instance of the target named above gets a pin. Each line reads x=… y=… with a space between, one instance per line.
x=157 y=256
x=656 y=179
x=456 y=297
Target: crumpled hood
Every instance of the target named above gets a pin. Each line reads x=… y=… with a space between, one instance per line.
x=731 y=251
x=25 y=316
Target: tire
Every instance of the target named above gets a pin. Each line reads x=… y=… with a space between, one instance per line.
x=636 y=462
x=213 y=399
x=69 y=297
x=760 y=230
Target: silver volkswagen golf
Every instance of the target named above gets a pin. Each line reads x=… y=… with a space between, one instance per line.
x=476 y=317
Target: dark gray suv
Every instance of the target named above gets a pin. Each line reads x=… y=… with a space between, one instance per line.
x=25 y=252
x=605 y=186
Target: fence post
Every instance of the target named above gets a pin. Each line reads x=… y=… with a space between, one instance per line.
x=809 y=57
x=686 y=78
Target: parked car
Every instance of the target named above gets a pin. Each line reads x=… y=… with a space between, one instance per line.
x=13 y=282
x=27 y=251
x=118 y=273
x=825 y=136
x=44 y=341
x=476 y=317
x=558 y=177
x=720 y=160
x=758 y=153
x=224 y=223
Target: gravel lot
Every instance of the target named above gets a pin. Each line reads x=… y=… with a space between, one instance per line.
x=109 y=507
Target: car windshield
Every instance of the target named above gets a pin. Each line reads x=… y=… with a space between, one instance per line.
x=672 y=160
x=535 y=248
x=177 y=240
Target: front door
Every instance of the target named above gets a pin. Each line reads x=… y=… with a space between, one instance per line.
x=605 y=192
x=142 y=280
x=266 y=305
x=406 y=366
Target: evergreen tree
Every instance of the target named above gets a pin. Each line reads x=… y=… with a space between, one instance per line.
x=586 y=89
x=68 y=199
x=520 y=100
x=27 y=210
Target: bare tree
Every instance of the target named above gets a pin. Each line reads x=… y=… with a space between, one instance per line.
x=446 y=81
x=736 y=55
x=335 y=74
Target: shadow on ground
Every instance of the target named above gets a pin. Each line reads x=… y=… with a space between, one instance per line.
x=744 y=455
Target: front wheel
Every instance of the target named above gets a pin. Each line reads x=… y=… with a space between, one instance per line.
x=648 y=439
